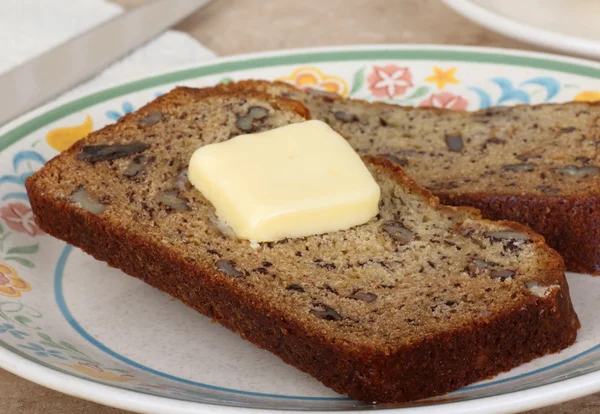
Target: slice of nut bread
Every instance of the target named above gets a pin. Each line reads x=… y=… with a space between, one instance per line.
x=537 y=165
x=419 y=301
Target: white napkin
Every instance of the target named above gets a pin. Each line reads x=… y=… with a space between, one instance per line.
x=29 y=27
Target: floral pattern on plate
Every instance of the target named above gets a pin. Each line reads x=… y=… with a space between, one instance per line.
x=311 y=77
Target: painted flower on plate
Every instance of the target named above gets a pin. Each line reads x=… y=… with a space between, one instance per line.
x=19 y=217
x=7 y=328
x=445 y=100
x=42 y=352
x=11 y=284
x=93 y=370
x=126 y=108
x=313 y=78
x=587 y=96
x=62 y=138
x=441 y=77
x=389 y=81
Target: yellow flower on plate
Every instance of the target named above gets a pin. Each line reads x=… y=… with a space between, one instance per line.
x=587 y=96
x=62 y=138
x=441 y=77
x=11 y=285
x=92 y=370
x=311 y=77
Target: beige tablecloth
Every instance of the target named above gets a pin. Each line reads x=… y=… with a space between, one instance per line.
x=276 y=24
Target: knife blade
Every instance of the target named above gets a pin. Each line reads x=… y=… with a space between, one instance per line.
x=44 y=77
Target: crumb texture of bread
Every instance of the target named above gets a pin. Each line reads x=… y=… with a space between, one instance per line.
x=537 y=165
x=419 y=301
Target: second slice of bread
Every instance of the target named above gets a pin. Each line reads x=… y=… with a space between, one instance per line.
x=419 y=301
x=537 y=165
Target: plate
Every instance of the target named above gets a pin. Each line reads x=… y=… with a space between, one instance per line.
x=569 y=26
x=73 y=324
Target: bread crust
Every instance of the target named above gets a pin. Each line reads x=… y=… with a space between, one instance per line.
x=570 y=224
x=432 y=366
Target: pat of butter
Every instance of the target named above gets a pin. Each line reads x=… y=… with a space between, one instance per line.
x=294 y=181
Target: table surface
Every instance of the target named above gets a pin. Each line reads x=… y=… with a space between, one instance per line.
x=279 y=24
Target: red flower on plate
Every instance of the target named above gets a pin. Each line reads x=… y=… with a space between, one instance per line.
x=389 y=81
x=445 y=100
x=19 y=217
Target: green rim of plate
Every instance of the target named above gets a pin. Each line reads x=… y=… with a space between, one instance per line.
x=40 y=121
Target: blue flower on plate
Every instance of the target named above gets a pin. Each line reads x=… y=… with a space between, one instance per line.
x=43 y=352
x=10 y=329
x=28 y=159
x=519 y=94
x=126 y=108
